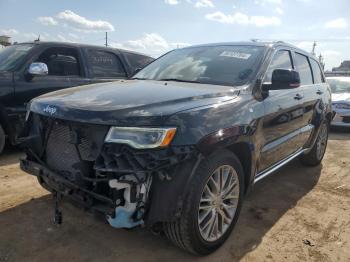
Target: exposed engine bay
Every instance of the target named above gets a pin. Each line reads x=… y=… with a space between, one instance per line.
x=73 y=161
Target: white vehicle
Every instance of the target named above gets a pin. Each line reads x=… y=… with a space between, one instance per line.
x=340 y=86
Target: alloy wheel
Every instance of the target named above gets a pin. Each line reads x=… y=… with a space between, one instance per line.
x=218 y=203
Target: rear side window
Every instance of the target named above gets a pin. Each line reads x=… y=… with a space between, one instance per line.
x=138 y=61
x=105 y=64
x=318 y=76
x=303 y=67
x=281 y=60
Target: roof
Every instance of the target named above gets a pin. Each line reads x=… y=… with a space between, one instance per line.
x=268 y=44
x=69 y=44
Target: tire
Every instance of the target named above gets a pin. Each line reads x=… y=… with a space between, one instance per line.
x=186 y=231
x=2 y=139
x=316 y=154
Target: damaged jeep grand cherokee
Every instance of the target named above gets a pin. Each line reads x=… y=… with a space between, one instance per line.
x=178 y=146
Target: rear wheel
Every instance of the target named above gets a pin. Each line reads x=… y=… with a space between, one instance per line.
x=315 y=156
x=2 y=139
x=211 y=207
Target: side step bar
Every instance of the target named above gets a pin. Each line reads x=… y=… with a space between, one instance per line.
x=278 y=165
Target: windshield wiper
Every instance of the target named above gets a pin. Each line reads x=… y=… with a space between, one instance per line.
x=178 y=80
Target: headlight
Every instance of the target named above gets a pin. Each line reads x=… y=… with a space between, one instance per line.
x=140 y=138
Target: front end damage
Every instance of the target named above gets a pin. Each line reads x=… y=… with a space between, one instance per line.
x=129 y=186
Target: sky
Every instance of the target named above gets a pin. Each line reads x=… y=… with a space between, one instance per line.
x=156 y=26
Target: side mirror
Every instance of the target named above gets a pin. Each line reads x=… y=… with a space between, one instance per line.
x=38 y=69
x=283 y=79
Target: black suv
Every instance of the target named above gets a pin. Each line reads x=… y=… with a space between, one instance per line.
x=179 y=146
x=31 y=69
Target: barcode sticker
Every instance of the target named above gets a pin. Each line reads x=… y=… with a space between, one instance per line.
x=235 y=55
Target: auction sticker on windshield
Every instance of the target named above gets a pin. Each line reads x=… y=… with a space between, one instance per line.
x=235 y=55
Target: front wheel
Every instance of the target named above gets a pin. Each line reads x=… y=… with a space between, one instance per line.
x=315 y=156
x=211 y=207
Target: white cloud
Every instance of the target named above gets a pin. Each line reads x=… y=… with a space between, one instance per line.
x=30 y=36
x=305 y=45
x=47 y=20
x=330 y=53
x=243 y=19
x=9 y=32
x=171 y=2
x=152 y=44
x=81 y=23
x=204 y=3
x=337 y=23
x=62 y=38
x=279 y=10
x=264 y=2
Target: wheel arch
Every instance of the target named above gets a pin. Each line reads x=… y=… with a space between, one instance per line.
x=244 y=154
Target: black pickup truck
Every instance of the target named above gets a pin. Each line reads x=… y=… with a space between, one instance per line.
x=28 y=70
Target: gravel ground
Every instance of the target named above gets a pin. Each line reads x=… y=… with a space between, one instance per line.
x=297 y=214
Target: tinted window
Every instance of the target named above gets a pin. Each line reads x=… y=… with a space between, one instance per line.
x=281 y=60
x=304 y=69
x=61 y=61
x=138 y=61
x=11 y=56
x=318 y=77
x=217 y=65
x=105 y=64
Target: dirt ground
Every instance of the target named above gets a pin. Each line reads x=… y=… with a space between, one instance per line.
x=297 y=214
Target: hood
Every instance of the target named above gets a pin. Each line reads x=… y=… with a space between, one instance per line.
x=341 y=97
x=108 y=103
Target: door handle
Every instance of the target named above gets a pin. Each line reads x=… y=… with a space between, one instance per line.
x=319 y=92
x=298 y=97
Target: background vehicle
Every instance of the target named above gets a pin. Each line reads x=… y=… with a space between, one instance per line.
x=181 y=144
x=30 y=69
x=340 y=86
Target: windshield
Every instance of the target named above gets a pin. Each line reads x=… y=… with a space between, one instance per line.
x=12 y=55
x=220 y=65
x=339 y=85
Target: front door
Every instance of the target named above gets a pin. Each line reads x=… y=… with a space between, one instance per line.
x=65 y=70
x=283 y=117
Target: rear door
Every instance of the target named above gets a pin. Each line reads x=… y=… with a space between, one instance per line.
x=313 y=85
x=104 y=65
x=283 y=116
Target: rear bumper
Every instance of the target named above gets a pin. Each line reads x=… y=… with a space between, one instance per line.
x=82 y=196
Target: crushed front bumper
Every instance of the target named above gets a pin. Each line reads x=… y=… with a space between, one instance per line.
x=84 y=197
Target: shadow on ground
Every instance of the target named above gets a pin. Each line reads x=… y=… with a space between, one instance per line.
x=10 y=156
x=26 y=231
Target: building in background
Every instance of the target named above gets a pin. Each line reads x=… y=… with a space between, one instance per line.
x=342 y=70
x=5 y=40
x=344 y=66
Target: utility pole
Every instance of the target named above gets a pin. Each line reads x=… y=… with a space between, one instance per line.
x=313 y=48
x=106 y=40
